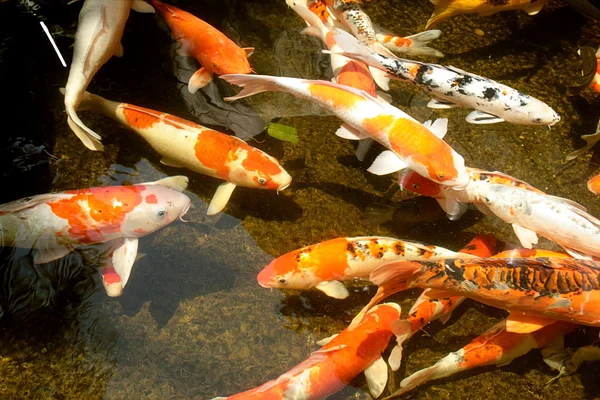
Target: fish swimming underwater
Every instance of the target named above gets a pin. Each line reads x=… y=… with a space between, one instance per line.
x=593 y=184
x=184 y=144
x=324 y=265
x=590 y=71
x=412 y=144
x=496 y=346
x=445 y=9
x=54 y=224
x=98 y=38
x=450 y=87
x=329 y=369
x=212 y=49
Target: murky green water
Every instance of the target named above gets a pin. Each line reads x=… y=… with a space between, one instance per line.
x=192 y=322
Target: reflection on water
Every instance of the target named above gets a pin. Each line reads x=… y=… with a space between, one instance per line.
x=192 y=322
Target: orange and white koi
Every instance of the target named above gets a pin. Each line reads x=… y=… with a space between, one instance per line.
x=54 y=224
x=185 y=144
x=212 y=49
x=536 y=291
x=426 y=309
x=331 y=368
x=324 y=265
x=410 y=143
x=496 y=346
x=593 y=184
x=445 y=9
x=98 y=38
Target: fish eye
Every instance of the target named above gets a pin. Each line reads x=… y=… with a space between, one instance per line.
x=486 y=199
x=262 y=180
x=441 y=176
x=161 y=214
x=283 y=281
x=415 y=186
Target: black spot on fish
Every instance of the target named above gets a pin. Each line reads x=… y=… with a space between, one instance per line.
x=490 y=93
x=419 y=77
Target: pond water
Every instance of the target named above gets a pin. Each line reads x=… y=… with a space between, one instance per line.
x=193 y=323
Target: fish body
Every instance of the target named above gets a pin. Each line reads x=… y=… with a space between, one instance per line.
x=416 y=45
x=445 y=9
x=186 y=144
x=593 y=184
x=212 y=49
x=449 y=86
x=329 y=369
x=325 y=264
x=542 y=289
x=496 y=346
x=97 y=39
x=595 y=85
x=411 y=143
x=54 y=224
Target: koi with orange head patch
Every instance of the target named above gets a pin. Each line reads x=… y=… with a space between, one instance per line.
x=188 y=145
x=54 y=224
x=496 y=346
x=410 y=143
x=325 y=264
x=344 y=356
x=212 y=49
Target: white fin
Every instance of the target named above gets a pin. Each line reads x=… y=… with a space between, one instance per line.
x=527 y=237
x=535 y=8
x=377 y=376
x=439 y=127
x=363 y=148
x=248 y=50
x=201 y=78
x=221 y=197
x=383 y=96
x=123 y=258
x=440 y=104
x=335 y=289
x=395 y=358
x=386 y=163
x=453 y=208
x=43 y=255
x=577 y=254
x=381 y=78
x=142 y=7
x=177 y=182
x=347 y=132
x=326 y=340
x=171 y=163
x=481 y=118
x=113 y=285
x=84 y=134
x=311 y=31
x=590 y=141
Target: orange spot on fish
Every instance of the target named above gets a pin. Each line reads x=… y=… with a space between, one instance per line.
x=358 y=76
x=337 y=97
x=110 y=276
x=140 y=231
x=414 y=69
x=320 y=10
x=139 y=117
x=330 y=39
x=152 y=199
x=594 y=184
x=215 y=150
x=265 y=166
x=379 y=123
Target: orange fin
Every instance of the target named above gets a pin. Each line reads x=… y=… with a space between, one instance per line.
x=439 y=294
x=526 y=323
x=201 y=78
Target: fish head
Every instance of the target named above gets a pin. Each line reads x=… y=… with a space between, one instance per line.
x=290 y=271
x=160 y=206
x=230 y=60
x=536 y=112
x=256 y=169
x=419 y=184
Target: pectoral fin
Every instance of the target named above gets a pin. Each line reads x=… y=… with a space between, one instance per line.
x=249 y=51
x=439 y=127
x=335 y=289
x=220 y=199
x=123 y=258
x=326 y=340
x=527 y=237
x=526 y=323
x=480 y=118
x=176 y=182
x=347 y=132
x=440 y=104
x=377 y=376
x=386 y=163
x=111 y=281
x=171 y=163
x=119 y=50
x=142 y=7
x=43 y=255
x=201 y=78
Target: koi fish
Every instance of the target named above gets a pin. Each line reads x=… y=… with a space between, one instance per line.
x=184 y=144
x=338 y=362
x=97 y=39
x=590 y=71
x=496 y=346
x=325 y=264
x=416 y=45
x=426 y=310
x=536 y=291
x=452 y=87
x=212 y=49
x=412 y=144
x=593 y=185
x=54 y=224
x=445 y=9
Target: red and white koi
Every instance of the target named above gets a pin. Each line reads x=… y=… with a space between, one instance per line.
x=496 y=346
x=331 y=368
x=410 y=143
x=185 y=144
x=54 y=224
x=212 y=49
x=98 y=38
x=451 y=87
x=324 y=265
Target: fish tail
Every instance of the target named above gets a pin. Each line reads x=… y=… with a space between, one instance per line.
x=416 y=45
x=315 y=25
x=418 y=378
x=88 y=137
x=440 y=13
x=251 y=84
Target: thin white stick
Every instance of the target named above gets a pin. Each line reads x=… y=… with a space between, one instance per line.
x=45 y=28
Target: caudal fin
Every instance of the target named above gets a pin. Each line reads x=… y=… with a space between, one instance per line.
x=416 y=45
x=440 y=13
x=88 y=137
x=481 y=246
x=418 y=378
x=251 y=84
x=402 y=330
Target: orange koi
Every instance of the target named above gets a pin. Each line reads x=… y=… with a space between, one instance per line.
x=212 y=49
x=337 y=363
x=593 y=184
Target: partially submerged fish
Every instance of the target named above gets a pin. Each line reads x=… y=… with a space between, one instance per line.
x=445 y=9
x=412 y=144
x=54 y=224
x=214 y=51
x=184 y=144
x=324 y=265
x=450 y=87
x=98 y=38
x=344 y=356
x=496 y=346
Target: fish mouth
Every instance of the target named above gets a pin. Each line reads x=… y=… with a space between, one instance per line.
x=280 y=188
